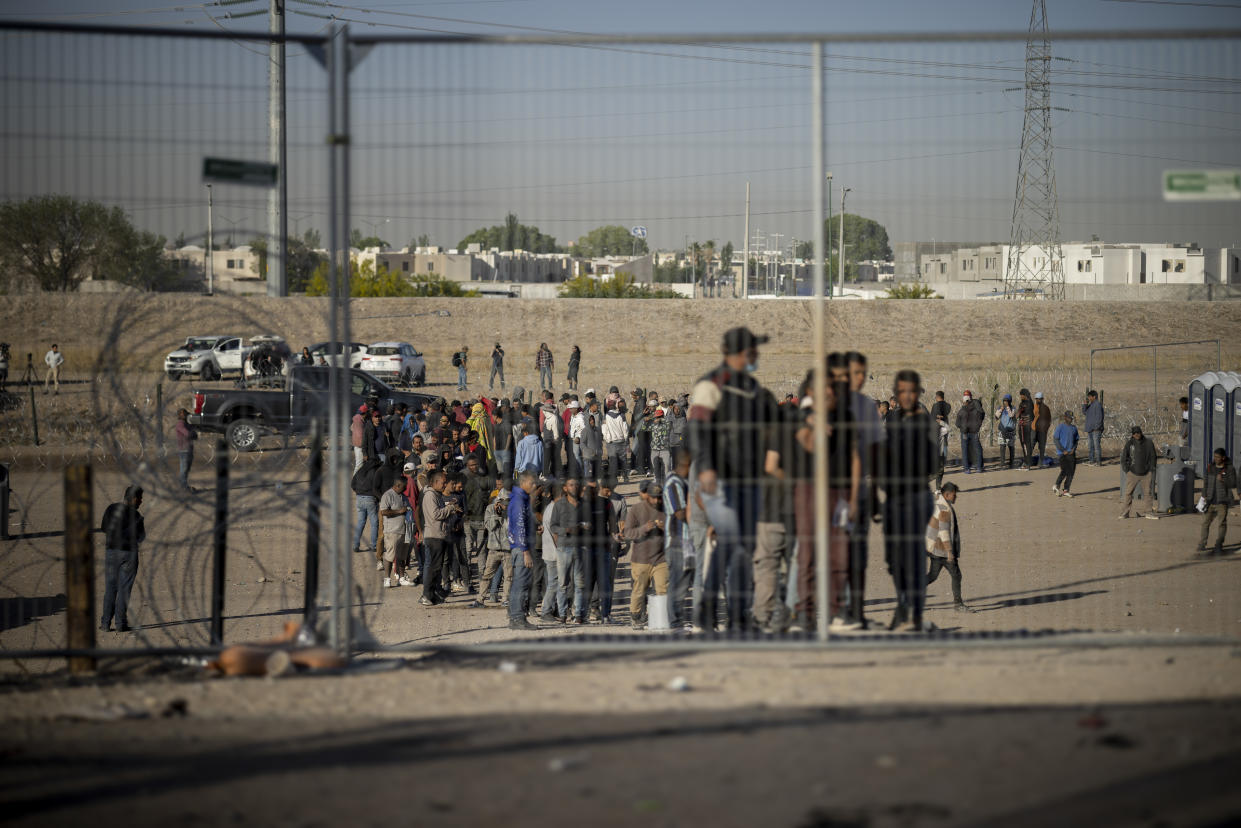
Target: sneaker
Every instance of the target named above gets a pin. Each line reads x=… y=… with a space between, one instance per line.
x=387 y=583
x=379 y=566
x=404 y=581
x=1055 y=490
x=1122 y=517
x=458 y=587
x=520 y=624
x=636 y=626
x=963 y=608
x=547 y=618
x=426 y=602
x=1066 y=494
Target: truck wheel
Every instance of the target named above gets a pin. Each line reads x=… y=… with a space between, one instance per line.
x=406 y=379
x=174 y=376
x=421 y=379
x=243 y=435
x=210 y=374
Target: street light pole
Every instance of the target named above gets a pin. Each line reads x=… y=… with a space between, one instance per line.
x=210 y=249
x=827 y=241
x=841 y=259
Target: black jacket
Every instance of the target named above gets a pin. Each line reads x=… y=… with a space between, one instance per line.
x=123 y=527
x=1218 y=485
x=729 y=414
x=911 y=454
x=1139 y=456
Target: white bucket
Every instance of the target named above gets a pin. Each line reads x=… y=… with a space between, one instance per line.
x=657 y=612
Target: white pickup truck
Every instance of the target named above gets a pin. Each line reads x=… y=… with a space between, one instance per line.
x=207 y=357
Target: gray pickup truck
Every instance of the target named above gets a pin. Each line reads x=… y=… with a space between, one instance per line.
x=245 y=416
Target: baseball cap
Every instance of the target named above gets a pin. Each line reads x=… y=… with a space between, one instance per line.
x=659 y=412
x=1038 y=395
x=651 y=488
x=737 y=340
x=1008 y=397
x=574 y=404
x=589 y=391
x=967 y=393
x=410 y=468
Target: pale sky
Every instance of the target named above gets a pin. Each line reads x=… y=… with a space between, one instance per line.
x=448 y=138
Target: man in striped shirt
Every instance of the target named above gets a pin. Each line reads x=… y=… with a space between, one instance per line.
x=678 y=549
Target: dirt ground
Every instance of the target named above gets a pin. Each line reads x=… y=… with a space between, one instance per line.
x=866 y=733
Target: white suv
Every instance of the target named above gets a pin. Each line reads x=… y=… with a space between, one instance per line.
x=207 y=357
x=396 y=361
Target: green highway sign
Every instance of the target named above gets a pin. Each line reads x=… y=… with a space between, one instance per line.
x=1202 y=185
x=232 y=171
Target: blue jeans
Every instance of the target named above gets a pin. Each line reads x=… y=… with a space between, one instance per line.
x=187 y=460
x=680 y=574
x=521 y=587
x=554 y=599
x=904 y=537
x=1095 y=438
x=120 y=569
x=460 y=377
x=733 y=512
x=971 y=451
x=368 y=509
x=545 y=377
x=504 y=463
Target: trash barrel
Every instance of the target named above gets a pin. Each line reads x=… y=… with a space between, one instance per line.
x=1174 y=487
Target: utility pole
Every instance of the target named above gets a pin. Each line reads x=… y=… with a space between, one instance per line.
x=1036 y=208
x=831 y=285
x=841 y=269
x=210 y=249
x=278 y=196
x=745 y=256
x=775 y=277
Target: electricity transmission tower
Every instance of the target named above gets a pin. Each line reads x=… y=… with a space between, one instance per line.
x=1035 y=260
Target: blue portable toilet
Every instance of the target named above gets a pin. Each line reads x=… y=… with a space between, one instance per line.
x=1220 y=395
x=1200 y=419
x=1232 y=438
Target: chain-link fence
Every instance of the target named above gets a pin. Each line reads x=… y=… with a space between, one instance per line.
x=624 y=203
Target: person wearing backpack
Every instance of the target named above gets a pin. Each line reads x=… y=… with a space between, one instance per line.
x=459 y=360
x=363 y=484
x=1007 y=417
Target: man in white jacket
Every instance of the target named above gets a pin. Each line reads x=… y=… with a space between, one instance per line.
x=54 y=359
x=616 y=435
x=943 y=543
x=577 y=425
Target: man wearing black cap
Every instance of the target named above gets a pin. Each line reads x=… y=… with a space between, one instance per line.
x=123 y=529
x=729 y=412
x=1138 y=462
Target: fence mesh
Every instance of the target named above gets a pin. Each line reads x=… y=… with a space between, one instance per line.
x=525 y=175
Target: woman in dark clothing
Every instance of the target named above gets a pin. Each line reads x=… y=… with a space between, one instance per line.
x=575 y=360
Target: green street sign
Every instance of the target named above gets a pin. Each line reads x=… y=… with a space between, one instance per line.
x=232 y=171
x=1202 y=185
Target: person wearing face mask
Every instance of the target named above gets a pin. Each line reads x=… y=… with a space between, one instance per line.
x=729 y=413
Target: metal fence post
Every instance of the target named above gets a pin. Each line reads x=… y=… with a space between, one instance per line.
x=79 y=566
x=159 y=417
x=34 y=415
x=310 y=606
x=221 y=541
x=821 y=515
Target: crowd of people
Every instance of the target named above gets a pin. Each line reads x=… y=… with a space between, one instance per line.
x=513 y=500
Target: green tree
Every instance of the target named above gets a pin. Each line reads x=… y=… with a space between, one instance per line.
x=60 y=241
x=360 y=242
x=312 y=239
x=672 y=272
x=620 y=286
x=610 y=240
x=422 y=240
x=139 y=262
x=300 y=262
x=512 y=235
x=914 y=290
x=365 y=282
x=804 y=250
x=865 y=239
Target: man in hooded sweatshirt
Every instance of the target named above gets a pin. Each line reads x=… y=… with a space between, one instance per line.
x=1042 y=425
